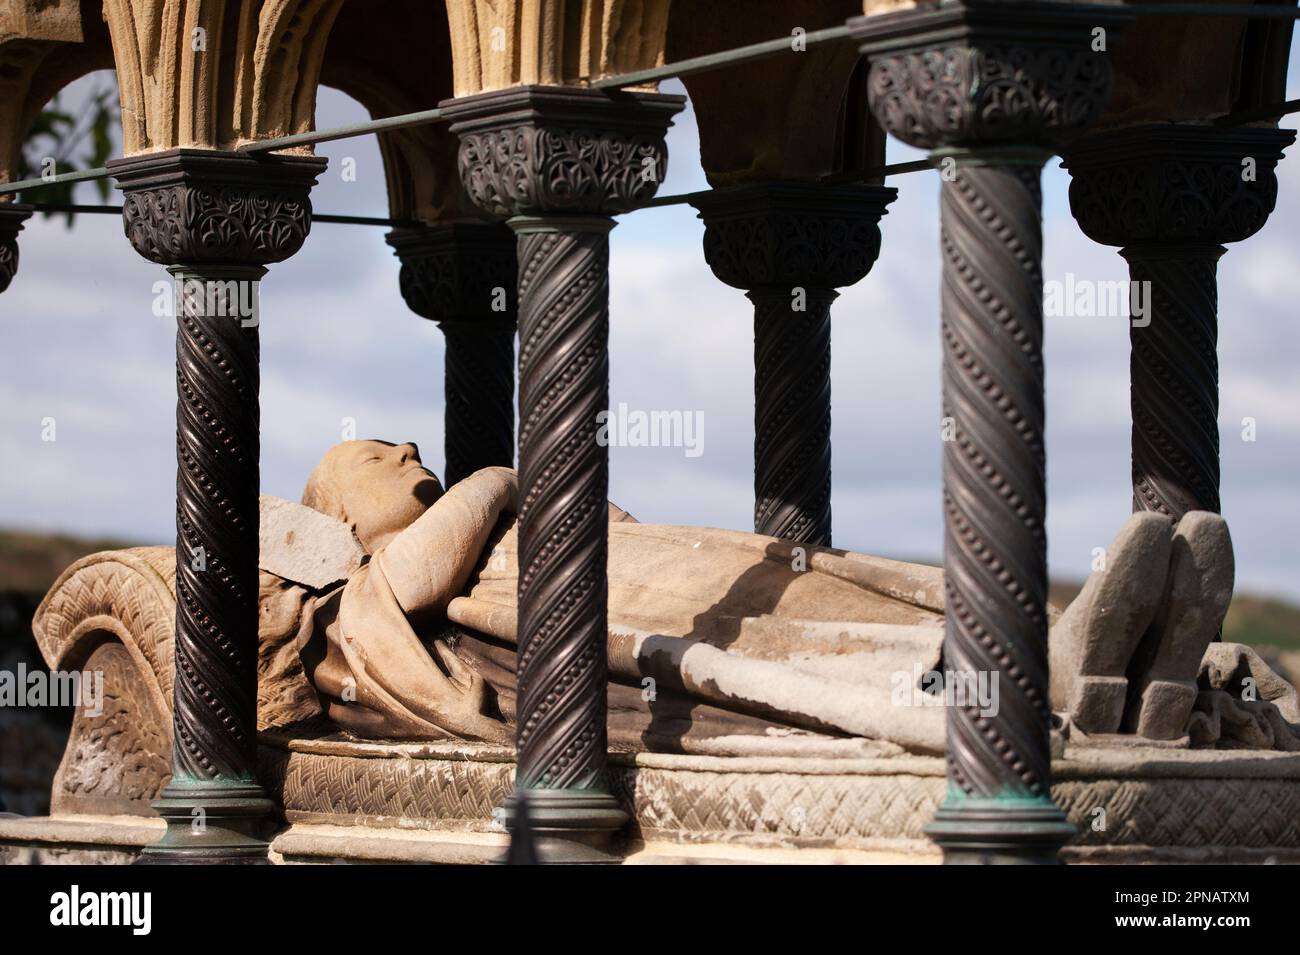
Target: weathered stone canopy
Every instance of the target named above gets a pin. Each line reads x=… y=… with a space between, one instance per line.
x=213 y=74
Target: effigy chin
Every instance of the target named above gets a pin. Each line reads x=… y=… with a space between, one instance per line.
x=766 y=701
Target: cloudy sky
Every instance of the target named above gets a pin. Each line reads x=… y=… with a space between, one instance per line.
x=81 y=346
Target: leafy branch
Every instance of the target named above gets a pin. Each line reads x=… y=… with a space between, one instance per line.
x=60 y=142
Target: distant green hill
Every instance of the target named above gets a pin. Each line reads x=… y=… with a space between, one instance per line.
x=1259 y=621
x=31 y=561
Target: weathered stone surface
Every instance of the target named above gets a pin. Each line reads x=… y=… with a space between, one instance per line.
x=529 y=42
x=1200 y=588
x=1091 y=645
x=303 y=545
x=174 y=95
x=1243 y=703
x=1229 y=665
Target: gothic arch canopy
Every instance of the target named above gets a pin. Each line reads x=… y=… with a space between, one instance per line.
x=797 y=115
x=394 y=57
x=502 y=43
x=1187 y=69
x=44 y=46
x=216 y=73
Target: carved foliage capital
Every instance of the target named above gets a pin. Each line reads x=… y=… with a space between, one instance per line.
x=970 y=74
x=537 y=150
x=12 y=218
x=1175 y=183
x=458 y=272
x=792 y=233
x=204 y=206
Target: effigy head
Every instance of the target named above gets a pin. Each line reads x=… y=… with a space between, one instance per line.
x=378 y=487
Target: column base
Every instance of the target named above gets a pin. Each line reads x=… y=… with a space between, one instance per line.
x=231 y=828
x=1011 y=831
x=564 y=827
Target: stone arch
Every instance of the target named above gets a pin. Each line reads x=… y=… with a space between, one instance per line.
x=775 y=118
x=798 y=115
x=216 y=73
x=502 y=43
x=1186 y=69
x=44 y=47
x=394 y=57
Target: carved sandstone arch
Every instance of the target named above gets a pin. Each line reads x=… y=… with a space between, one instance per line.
x=44 y=46
x=1186 y=69
x=216 y=73
x=502 y=43
x=797 y=115
x=394 y=57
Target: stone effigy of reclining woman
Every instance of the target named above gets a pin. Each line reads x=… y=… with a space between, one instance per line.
x=723 y=641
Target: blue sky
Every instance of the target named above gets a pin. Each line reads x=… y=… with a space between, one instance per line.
x=81 y=345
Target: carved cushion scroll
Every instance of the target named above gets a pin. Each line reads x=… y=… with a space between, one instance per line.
x=111 y=616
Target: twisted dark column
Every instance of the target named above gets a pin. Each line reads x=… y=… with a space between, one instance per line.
x=215 y=219
x=789 y=245
x=991 y=87
x=12 y=217
x=479 y=390
x=557 y=163
x=1174 y=380
x=563 y=509
x=994 y=479
x=217 y=482
x=462 y=275
x=792 y=415
x=1170 y=196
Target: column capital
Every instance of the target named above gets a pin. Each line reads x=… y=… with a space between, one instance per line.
x=12 y=218
x=986 y=72
x=1168 y=183
x=786 y=233
x=192 y=206
x=545 y=150
x=451 y=271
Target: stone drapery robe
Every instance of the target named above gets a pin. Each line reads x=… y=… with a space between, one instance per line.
x=717 y=640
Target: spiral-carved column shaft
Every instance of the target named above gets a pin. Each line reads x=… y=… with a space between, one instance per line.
x=462 y=275
x=789 y=245
x=12 y=217
x=995 y=543
x=215 y=219
x=1170 y=196
x=792 y=415
x=217 y=480
x=556 y=163
x=479 y=388
x=563 y=514
x=1174 y=380
x=992 y=87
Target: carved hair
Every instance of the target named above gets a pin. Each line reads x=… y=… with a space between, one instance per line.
x=322 y=493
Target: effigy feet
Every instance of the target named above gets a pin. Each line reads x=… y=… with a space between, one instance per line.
x=1168 y=660
x=1135 y=655
x=1097 y=635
